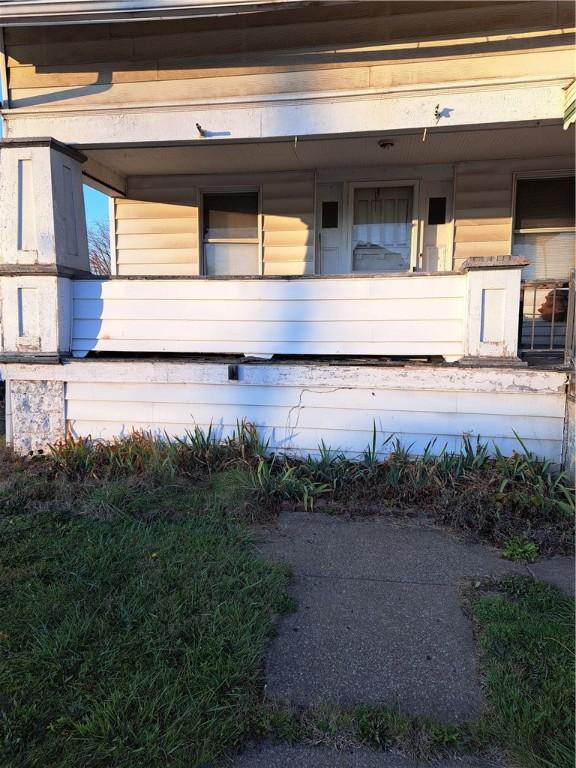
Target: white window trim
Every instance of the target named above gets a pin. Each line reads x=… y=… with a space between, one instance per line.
x=227 y=190
x=348 y=206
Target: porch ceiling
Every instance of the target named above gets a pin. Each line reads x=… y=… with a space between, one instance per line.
x=440 y=146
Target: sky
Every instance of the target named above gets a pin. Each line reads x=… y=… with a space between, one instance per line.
x=96 y=205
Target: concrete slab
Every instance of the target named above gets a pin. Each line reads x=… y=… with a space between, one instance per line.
x=372 y=642
x=286 y=756
x=555 y=570
x=381 y=548
x=379 y=618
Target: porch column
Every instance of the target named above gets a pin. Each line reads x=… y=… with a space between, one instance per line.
x=492 y=310
x=43 y=244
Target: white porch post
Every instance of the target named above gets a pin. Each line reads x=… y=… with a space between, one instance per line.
x=492 y=310
x=43 y=245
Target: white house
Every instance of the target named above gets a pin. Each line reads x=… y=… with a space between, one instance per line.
x=325 y=216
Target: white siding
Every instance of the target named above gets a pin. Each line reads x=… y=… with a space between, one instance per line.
x=298 y=405
x=414 y=315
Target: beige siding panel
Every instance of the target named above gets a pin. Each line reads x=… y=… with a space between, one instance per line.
x=291 y=237
x=483 y=212
x=155 y=226
x=184 y=194
x=539 y=63
x=185 y=90
x=288 y=268
x=483 y=182
x=161 y=241
x=134 y=210
x=149 y=247
x=291 y=201
x=151 y=90
x=289 y=253
x=171 y=269
x=496 y=221
x=483 y=232
x=484 y=199
x=384 y=68
x=160 y=256
x=288 y=223
x=489 y=249
x=296 y=206
x=473 y=216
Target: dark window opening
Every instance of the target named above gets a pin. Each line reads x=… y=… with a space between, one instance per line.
x=330 y=214
x=544 y=204
x=437 y=210
x=230 y=217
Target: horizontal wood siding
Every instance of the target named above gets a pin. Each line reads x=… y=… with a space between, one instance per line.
x=334 y=48
x=483 y=204
x=155 y=238
x=288 y=224
x=298 y=406
x=360 y=316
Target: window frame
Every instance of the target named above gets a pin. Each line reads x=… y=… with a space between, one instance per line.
x=561 y=173
x=351 y=188
x=230 y=190
x=536 y=175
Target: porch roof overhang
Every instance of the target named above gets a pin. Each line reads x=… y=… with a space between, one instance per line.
x=41 y=12
x=405 y=149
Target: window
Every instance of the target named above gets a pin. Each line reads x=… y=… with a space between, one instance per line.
x=382 y=229
x=230 y=234
x=544 y=224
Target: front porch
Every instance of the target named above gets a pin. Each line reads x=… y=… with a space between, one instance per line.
x=406 y=265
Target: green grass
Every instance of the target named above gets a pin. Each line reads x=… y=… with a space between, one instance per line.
x=134 y=619
x=127 y=643
x=527 y=637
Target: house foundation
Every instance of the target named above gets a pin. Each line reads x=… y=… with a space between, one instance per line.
x=295 y=405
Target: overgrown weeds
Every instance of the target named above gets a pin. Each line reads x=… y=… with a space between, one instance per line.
x=497 y=498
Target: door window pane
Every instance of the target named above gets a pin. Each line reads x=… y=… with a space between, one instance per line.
x=436 y=211
x=330 y=214
x=381 y=231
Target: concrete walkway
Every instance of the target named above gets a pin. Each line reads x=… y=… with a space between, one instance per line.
x=283 y=756
x=379 y=621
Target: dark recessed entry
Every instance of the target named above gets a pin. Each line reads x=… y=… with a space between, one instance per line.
x=330 y=214
x=437 y=210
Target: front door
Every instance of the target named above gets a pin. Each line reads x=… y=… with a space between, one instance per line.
x=437 y=223
x=331 y=245
x=382 y=229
